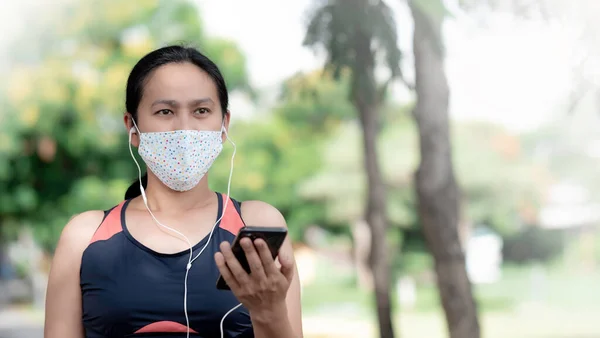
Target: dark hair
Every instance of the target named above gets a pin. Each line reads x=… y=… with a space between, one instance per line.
x=152 y=61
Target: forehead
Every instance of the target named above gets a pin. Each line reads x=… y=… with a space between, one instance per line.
x=179 y=81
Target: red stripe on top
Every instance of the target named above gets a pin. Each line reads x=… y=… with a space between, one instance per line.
x=110 y=226
x=164 y=327
x=231 y=221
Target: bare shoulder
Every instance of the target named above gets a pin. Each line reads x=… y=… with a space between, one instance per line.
x=259 y=213
x=73 y=241
x=63 y=298
x=78 y=232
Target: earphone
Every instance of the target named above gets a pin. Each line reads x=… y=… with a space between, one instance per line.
x=133 y=130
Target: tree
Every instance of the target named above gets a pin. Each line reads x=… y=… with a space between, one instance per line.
x=340 y=187
x=503 y=193
x=354 y=33
x=437 y=190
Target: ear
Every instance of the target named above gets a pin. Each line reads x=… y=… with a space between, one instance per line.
x=226 y=119
x=128 y=120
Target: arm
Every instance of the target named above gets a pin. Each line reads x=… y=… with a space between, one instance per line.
x=63 y=297
x=284 y=320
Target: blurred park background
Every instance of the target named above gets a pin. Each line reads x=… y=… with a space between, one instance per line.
x=495 y=103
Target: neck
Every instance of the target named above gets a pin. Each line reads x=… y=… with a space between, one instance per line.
x=162 y=198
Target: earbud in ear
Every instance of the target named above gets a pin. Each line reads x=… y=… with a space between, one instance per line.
x=132 y=130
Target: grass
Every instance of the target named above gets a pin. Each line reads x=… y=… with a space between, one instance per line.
x=335 y=290
x=558 y=303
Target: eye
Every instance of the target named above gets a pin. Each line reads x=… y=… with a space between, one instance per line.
x=164 y=112
x=201 y=111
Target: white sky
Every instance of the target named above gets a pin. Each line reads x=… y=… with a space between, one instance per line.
x=514 y=74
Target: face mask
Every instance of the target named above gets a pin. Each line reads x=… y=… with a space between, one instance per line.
x=180 y=158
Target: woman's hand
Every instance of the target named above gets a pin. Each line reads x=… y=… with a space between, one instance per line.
x=264 y=290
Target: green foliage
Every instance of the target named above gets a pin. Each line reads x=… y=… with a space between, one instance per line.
x=63 y=147
x=534 y=245
x=568 y=147
x=76 y=155
x=315 y=102
x=432 y=14
x=269 y=163
x=342 y=183
x=277 y=154
x=231 y=61
x=433 y=8
x=501 y=185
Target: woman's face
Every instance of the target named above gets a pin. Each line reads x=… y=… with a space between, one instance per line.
x=178 y=96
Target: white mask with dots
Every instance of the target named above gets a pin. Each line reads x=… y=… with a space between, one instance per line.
x=180 y=158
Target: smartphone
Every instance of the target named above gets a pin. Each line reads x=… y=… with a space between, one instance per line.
x=274 y=238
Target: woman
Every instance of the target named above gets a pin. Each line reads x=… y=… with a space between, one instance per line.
x=148 y=266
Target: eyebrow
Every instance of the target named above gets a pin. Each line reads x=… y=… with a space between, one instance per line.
x=173 y=103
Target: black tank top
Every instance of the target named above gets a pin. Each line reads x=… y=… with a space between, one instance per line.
x=129 y=290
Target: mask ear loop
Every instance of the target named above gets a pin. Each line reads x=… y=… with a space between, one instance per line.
x=133 y=130
x=224 y=130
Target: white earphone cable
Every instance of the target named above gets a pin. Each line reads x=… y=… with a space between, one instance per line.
x=190 y=260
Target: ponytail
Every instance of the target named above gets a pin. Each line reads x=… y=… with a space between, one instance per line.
x=134 y=189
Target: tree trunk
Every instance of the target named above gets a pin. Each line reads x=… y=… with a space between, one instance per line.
x=376 y=217
x=437 y=191
x=361 y=236
x=364 y=98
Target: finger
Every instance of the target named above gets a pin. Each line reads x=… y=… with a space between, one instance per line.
x=266 y=257
x=254 y=261
x=224 y=270
x=287 y=266
x=241 y=276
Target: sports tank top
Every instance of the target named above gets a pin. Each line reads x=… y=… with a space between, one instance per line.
x=129 y=290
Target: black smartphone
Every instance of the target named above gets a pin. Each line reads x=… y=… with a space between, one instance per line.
x=274 y=238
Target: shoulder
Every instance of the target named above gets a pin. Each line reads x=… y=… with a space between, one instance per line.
x=72 y=243
x=259 y=213
x=63 y=296
x=83 y=225
x=78 y=232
